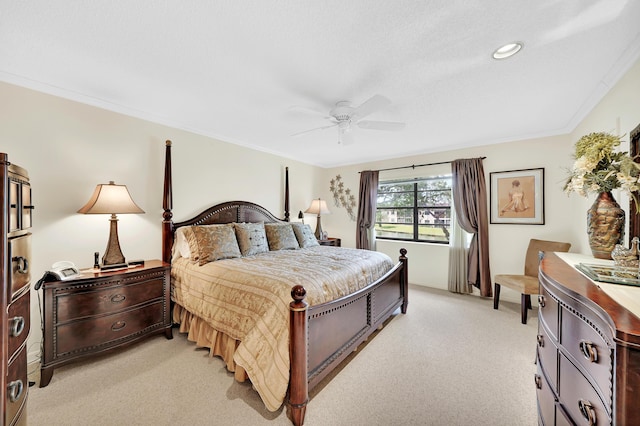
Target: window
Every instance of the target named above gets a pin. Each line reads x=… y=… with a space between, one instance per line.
x=417 y=210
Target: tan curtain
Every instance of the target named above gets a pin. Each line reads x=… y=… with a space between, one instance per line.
x=367 y=198
x=470 y=202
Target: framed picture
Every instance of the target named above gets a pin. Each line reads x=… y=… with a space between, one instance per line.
x=517 y=197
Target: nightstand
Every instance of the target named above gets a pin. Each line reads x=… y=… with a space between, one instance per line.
x=334 y=242
x=96 y=312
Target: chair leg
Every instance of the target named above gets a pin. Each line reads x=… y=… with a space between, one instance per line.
x=529 y=301
x=496 y=296
x=525 y=300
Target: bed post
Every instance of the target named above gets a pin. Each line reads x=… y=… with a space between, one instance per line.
x=167 y=205
x=405 y=280
x=298 y=381
x=286 y=194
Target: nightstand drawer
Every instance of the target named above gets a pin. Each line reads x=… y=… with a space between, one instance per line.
x=102 y=331
x=106 y=298
x=19 y=322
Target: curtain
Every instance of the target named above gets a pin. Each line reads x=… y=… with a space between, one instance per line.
x=457 y=281
x=470 y=202
x=367 y=197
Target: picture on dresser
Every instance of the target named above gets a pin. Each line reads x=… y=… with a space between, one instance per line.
x=517 y=197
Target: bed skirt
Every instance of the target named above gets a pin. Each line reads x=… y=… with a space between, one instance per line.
x=205 y=336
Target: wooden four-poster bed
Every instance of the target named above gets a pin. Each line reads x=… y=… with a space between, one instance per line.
x=318 y=333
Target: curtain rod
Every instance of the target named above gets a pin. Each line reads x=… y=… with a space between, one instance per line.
x=413 y=166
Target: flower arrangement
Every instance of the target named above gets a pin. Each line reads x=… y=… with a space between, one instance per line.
x=598 y=168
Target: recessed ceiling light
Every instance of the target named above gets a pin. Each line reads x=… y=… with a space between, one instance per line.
x=507 y=50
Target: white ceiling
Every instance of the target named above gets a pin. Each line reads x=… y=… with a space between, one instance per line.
x=249 y=72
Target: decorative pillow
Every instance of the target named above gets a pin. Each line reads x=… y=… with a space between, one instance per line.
x=304 y=235
x=208 y=243
x=280 y=236
x=182 y=245
x=251 y=238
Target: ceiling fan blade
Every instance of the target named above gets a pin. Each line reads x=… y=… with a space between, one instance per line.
x=373 y=104
x=381 y=125
x=313 y=130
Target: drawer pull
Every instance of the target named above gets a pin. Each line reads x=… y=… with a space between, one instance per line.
x=587 y=411
x=589 y=350
x=541 y=301
x=538 y=380
x=23 y=264
x=118 y=325
x=16 y=326
x=118 y=298
x=540 y=339
x=15 y=389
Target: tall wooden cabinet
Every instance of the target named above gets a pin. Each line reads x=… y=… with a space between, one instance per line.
x=15 y=247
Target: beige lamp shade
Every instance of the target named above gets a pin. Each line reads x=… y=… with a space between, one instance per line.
x=318 y=207
x=111 y=199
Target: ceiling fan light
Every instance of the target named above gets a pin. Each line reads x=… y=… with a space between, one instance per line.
x=507 y=50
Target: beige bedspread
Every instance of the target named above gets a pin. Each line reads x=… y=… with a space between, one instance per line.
x=248 y=299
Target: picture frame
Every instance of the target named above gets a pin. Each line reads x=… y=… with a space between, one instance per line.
x=517 y=197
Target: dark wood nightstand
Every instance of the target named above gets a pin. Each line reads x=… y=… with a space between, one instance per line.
x=96 y=312
x=334 y=242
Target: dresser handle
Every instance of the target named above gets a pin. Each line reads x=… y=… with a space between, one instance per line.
x=589 y=350
x=538 y=380
x=540 y=339
x=23 y=264
x=15 y=389
x=118 y=298
x=541 y=301
x=587 y=411
x=118 y=325
x=16 y=326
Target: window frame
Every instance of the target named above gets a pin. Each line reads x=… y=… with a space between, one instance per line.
x=415 y=209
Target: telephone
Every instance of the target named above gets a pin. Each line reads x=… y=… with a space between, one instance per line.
x=64 y=270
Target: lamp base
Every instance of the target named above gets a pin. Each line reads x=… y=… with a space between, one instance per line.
x=318 y=232
x=113 y=255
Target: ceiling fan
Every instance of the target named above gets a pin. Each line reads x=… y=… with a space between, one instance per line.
x=344 y=116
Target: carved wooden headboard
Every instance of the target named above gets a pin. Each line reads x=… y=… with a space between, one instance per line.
x=227 y=212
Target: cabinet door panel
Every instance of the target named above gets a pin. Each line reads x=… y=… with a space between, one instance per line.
x=20 y=259
x=548 y=355
x=19 y=322
x=578 y=397
x=17 y=385
x=546 y=400
x=548 y=311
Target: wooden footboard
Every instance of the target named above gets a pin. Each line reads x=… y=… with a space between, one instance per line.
x=324 y=335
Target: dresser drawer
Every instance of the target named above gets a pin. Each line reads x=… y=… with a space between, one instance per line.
x=579 y=398
x=19 y=322
x=106 y=298
x=105 y=330
x=548 y=311
x=20 y=258
x=545 y=398
x=587 y=348
x=17 y=385
x=548 y=356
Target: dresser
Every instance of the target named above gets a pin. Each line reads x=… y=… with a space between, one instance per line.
x=15 y=191
x=96 y=312
x=588 y=351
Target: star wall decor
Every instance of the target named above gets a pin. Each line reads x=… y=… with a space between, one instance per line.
x=342 y=197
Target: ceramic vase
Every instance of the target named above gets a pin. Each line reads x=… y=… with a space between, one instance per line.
x=605 y=225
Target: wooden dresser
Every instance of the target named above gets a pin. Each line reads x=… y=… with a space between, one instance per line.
x=588 y=354
x=97 y=312
x=15 y=191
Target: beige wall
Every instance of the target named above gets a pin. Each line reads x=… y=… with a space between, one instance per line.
x=69 y=147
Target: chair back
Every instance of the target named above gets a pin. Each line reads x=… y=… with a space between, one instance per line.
x=535 y=246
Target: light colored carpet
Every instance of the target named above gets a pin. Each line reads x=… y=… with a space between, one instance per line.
x=452 y=360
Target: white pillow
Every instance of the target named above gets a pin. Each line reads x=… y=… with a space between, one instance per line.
x=182 y=244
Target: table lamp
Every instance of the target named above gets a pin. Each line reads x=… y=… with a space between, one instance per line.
x=318 y=207
x=111 y=199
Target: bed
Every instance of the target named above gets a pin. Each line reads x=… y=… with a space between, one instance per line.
x=292 y=333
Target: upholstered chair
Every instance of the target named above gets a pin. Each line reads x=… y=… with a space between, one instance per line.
x=527 y=284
